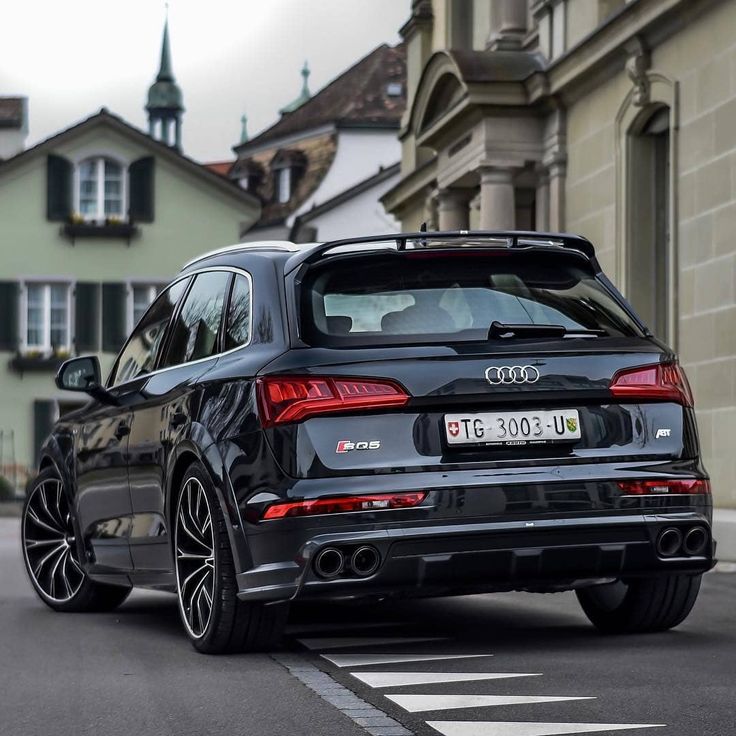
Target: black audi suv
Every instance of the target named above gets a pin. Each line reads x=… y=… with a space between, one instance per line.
x=413 y=415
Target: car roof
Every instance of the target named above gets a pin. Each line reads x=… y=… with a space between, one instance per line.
x=292 y=255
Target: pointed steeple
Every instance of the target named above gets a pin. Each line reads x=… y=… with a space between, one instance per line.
x=304 y=95
x=165 y=104
x=244 y=128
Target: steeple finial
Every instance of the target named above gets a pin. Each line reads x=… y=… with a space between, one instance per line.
x=244 y=128
x=304 y=95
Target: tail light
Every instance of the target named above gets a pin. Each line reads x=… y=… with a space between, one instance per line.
x=345 y=504
x=699 y=486
x=663 y=381
x=285 y=399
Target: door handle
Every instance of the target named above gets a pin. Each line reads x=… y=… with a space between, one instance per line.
x=122 y=430
x=177 y=419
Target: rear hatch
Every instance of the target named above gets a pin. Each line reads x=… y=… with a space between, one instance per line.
x=503 y=358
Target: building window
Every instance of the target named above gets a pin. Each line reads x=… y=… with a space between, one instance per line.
x=283 y=185
x=649 y=208
x=101 y=189
x=141 y=297
x=47 y=318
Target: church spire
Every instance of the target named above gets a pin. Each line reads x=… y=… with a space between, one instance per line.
x=244 y=128
x=164 y=104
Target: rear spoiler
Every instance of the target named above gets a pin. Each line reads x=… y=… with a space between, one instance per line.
x=451 y=239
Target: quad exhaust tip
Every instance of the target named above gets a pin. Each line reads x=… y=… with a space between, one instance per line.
x=329 y=563
x=669 y=542
x=695 y=541
x=365 y=561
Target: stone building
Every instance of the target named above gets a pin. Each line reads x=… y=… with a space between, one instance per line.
x=615 y=119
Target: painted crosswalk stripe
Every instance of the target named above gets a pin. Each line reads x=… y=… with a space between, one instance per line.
x=395 y=679
x=418 y=703
x=338 y=642
x=360 y=660
x=528 y=728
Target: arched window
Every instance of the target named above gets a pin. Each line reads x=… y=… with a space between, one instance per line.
x=101 y=189
x=648 y=213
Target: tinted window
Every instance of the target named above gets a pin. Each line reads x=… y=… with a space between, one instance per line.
x=421 y=296
x=194 y=332
x=237 y=330
x=140 y=352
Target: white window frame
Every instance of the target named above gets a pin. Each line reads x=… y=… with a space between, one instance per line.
x=99 y=216
x=45 y=348
x=154 y=289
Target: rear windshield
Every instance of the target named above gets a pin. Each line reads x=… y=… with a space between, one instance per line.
x=425 y=297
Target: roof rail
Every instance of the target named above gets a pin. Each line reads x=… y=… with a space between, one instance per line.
x=428 y=239
x=281 y=245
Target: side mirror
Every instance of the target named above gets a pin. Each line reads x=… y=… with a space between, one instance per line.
x=83 y=374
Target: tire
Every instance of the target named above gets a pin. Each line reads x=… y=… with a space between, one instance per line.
x=215 y=620
x=640 y=605
x=49 y=539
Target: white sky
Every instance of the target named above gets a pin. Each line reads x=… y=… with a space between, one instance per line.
x=71 y=57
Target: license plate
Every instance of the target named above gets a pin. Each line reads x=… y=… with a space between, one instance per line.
x=513 y=427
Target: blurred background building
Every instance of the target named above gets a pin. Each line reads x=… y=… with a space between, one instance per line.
x=615 y=119
x=93 y=222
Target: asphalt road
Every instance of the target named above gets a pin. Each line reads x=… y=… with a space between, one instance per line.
x=133 y=672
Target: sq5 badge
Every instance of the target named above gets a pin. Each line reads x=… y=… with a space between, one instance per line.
x=348 y=446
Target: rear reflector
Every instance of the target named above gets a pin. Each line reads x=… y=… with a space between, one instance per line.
x=284 y=399
x=663 y=381
x=345 y=504
x=698 y=486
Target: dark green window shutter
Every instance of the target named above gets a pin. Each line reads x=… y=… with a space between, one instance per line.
x=141 y=190
x=87 y=317
x=58 y=188
x=114 y=309
x=9 y=301
x=44 y=416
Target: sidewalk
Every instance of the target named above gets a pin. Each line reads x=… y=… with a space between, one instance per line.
x=724 y=531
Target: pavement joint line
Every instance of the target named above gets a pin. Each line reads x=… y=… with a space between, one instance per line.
x=375 y=721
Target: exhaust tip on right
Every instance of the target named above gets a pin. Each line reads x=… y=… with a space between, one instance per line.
x=669 y=542
x=696 y=540
x=365 y=561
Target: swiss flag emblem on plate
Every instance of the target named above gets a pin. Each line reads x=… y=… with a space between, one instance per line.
x=453 y=428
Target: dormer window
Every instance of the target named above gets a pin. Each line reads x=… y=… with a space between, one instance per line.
x=100 y=189
x=283 y=185
x=287 y=166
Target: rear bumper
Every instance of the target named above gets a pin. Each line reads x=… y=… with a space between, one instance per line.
x=445 y=558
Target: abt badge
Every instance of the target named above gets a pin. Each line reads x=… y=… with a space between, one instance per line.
x=662 y=433
x=348 y=446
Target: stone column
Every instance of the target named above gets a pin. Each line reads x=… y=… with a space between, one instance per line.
x=557 y=171
x=452 y=209
x=508 y=24
x=541 y=215
x=497 y=207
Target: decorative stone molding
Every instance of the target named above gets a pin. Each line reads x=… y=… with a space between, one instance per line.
x=636 y=68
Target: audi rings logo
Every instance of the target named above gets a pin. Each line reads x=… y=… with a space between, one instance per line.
x=506 y=375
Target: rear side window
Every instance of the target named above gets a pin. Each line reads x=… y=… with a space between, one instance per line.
x=425 y=297
x=195 y=329
x=237 y=327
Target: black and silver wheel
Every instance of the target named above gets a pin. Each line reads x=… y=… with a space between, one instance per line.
x=641 y=604
x=51 y=552
x=216 y=621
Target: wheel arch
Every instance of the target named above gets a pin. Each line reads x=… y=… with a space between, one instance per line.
x=188 y=453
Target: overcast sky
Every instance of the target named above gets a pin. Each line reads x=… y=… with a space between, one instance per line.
x=71 y=57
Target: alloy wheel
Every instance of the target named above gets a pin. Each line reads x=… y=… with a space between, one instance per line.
x=49 y=543
x=195 y=557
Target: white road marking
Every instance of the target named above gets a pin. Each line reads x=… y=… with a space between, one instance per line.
x=395 y=679
x=528 y=728
x=359 y=660
x=338 y=642
x=418 y=703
